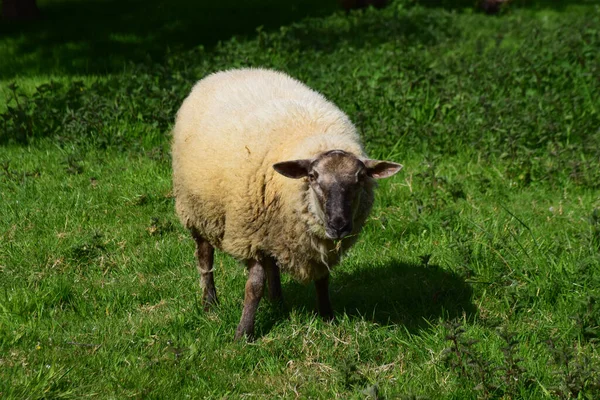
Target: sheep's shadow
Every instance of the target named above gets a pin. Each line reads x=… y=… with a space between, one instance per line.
x=396 y=293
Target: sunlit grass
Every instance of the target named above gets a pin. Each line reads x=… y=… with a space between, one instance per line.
x=477 y=275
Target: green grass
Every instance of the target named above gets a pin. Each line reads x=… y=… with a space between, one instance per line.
x=477 y=275
x=89 y=39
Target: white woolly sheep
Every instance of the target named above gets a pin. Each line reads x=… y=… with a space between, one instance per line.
x=269 y=171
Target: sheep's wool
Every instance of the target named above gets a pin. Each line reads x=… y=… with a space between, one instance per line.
x=230 y=130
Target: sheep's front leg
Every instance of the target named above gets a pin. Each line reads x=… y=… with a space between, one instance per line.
x=254 y=292
x=323 y=302
x=273 y=279
x=205 y=256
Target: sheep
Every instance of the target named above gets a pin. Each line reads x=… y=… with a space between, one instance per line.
x=269 y=171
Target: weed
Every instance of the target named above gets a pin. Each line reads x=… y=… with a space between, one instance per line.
x=467 y=362
x=490 y=379
x=159 y=227
x=577 y=375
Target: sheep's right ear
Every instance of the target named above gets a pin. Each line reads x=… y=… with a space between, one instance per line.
x=294 y=169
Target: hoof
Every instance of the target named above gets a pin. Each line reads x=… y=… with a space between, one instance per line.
x=328 y=317
x=243 y=332
x=209 y=304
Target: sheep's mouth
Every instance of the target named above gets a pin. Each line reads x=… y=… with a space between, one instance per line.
x=336 y=234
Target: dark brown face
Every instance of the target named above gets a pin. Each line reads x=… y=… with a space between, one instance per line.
x=336 y=179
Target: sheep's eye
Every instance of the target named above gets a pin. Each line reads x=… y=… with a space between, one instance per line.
x=312 y=176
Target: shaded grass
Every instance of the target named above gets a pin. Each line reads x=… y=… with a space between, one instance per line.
x=476 y=276
x=101 y=36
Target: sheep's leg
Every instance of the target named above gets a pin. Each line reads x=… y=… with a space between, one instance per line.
x=254 y=292
x=273 y=279
x=205 y=256
x=323 y=302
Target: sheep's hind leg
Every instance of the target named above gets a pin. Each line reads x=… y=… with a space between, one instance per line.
x=273 y=280
x=205 y=257
x=323 y=302
x=254 y=292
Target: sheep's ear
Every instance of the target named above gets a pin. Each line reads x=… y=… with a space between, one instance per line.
x=381 y=169
x=294 y=169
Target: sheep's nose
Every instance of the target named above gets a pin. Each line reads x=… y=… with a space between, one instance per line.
x=338 y=228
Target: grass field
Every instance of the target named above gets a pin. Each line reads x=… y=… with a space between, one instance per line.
x=477 y=275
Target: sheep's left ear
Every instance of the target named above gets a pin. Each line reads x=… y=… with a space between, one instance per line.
x=381 y=169
x=294 y=169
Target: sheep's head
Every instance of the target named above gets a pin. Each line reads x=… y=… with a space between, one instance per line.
x=335 y=181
